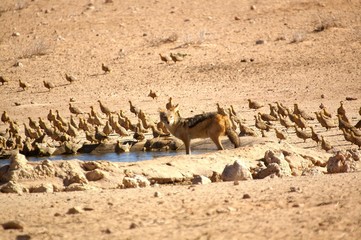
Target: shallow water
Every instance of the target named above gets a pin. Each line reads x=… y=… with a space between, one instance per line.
x=112 y=157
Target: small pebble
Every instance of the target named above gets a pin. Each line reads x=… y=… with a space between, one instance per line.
x=13 y=225
x=133 y=225
x=297 y=205
x=236 y=183
x=23 y=237
x=157 y=194
x=295 y=189
x=15 y=34
x=253 y=7
x=246 y=196
x=74 y=210
x=18 y=64
x=237 y=18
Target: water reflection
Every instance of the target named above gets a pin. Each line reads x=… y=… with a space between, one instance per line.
x=112 y=157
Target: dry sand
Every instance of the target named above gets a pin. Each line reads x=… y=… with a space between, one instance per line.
x=294 y=63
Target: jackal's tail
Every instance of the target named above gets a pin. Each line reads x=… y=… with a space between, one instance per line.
x=232 y=135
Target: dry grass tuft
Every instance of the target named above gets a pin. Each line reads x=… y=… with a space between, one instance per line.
x=298 y=37
x=324 y=24
x=195 y=41
x=21 y=4
x=37 y=48
x=160 y=41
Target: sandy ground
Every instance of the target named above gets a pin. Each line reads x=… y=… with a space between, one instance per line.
x=322 y=207
x=294 y=64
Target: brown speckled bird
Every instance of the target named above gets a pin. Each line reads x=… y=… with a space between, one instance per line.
x=5 y=117
x=254 y=104
x=104 y=108
x=70 y=78
x=302 y=134
x=165 y=58
x=325 y=145
x=49 y=85
x=280 y=135
x=23 y=85
x=3 y=80
x=75 y=110
x=105 y=68
x=152 y=94
x=176 y=58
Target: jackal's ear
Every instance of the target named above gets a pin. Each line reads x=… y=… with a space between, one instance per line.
x=176 y=108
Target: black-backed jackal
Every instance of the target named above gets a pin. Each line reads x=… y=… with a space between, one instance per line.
x=207 y=125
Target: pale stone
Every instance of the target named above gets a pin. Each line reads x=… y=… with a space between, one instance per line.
x=341 y=162
x=13 y=187
x=236 y=171
x=44 y=187
x=94 y=175
x=135 y=181
x=199 y=179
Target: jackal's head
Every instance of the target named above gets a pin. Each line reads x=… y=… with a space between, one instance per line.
x=169 y=117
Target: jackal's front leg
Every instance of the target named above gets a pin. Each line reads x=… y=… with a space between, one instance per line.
x=187 y=144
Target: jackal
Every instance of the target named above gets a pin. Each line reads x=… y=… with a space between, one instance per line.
x=207 y=125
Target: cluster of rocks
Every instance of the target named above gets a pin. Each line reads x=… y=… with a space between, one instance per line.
x=80 y=176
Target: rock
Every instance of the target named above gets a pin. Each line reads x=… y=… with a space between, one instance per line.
x=18 y=64
x=89 y=166
x=341 y=162
x=351 y=98
x=135 y=181
x=74 y=210
x=78 y=187
x=23 y=237
x=271 y=170
x=216 y=177
x=162 y=144
x=15 y=34
x=18 y=169
x=246 y=196
x=14 y=224
x=199 y=179
x=157 y=194
x=312 y=172
x=271 y=156
x=44 y=187
x=297 y=163
x=260 y=41
x=129 y=182
x=3 y=170
x=356 y=155
x=13 y=187
x=295 y=189
x=133 y=225
x=236 y=171
x=237 y=18
x=94 y=175
x=75 y=177
x=278 y=158
x=46 y=168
